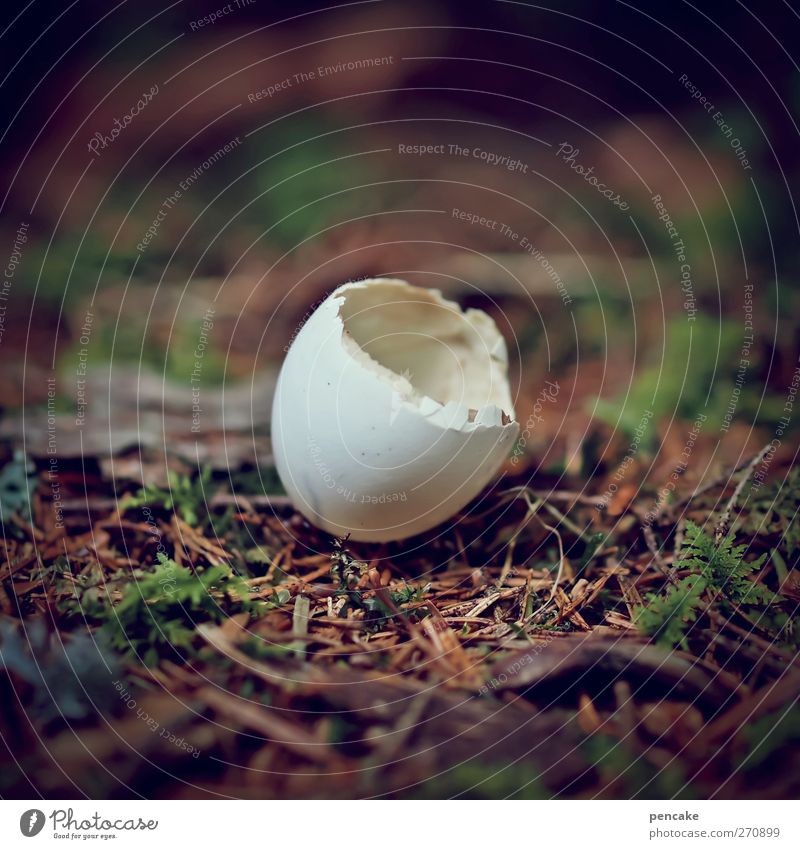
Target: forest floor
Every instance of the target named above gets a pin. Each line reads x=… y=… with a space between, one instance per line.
x=200 y=639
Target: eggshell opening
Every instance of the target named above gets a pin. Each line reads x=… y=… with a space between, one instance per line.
x=429 y=349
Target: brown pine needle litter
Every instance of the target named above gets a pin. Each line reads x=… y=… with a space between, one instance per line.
x=239 y=652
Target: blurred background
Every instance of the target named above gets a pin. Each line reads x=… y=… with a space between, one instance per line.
x=109 y=111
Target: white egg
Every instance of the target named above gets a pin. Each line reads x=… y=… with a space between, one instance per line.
x=392 y=410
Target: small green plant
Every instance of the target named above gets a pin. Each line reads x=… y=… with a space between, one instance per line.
x=408 y=594
x=378 y=611
x=159 y=612
x=773 y=511
x=723 y=566
x=666 y=617
x=184 y=494
x=347 y=571
x=85 y=595
x=718 y=567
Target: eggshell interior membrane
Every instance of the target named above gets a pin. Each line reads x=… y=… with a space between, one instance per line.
x=446 y=355
x=392 y=410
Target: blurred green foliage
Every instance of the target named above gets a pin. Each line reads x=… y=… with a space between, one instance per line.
x=692 y=373
x=621 y=764
x=473 y=780
x=159 y=612
x=302 y=163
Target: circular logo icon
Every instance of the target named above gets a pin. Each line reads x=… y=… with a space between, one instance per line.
x=31 y=822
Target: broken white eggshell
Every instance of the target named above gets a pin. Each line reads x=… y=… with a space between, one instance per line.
x=392 y=410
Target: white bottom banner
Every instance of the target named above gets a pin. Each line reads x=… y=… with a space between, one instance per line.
x=390 y=824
